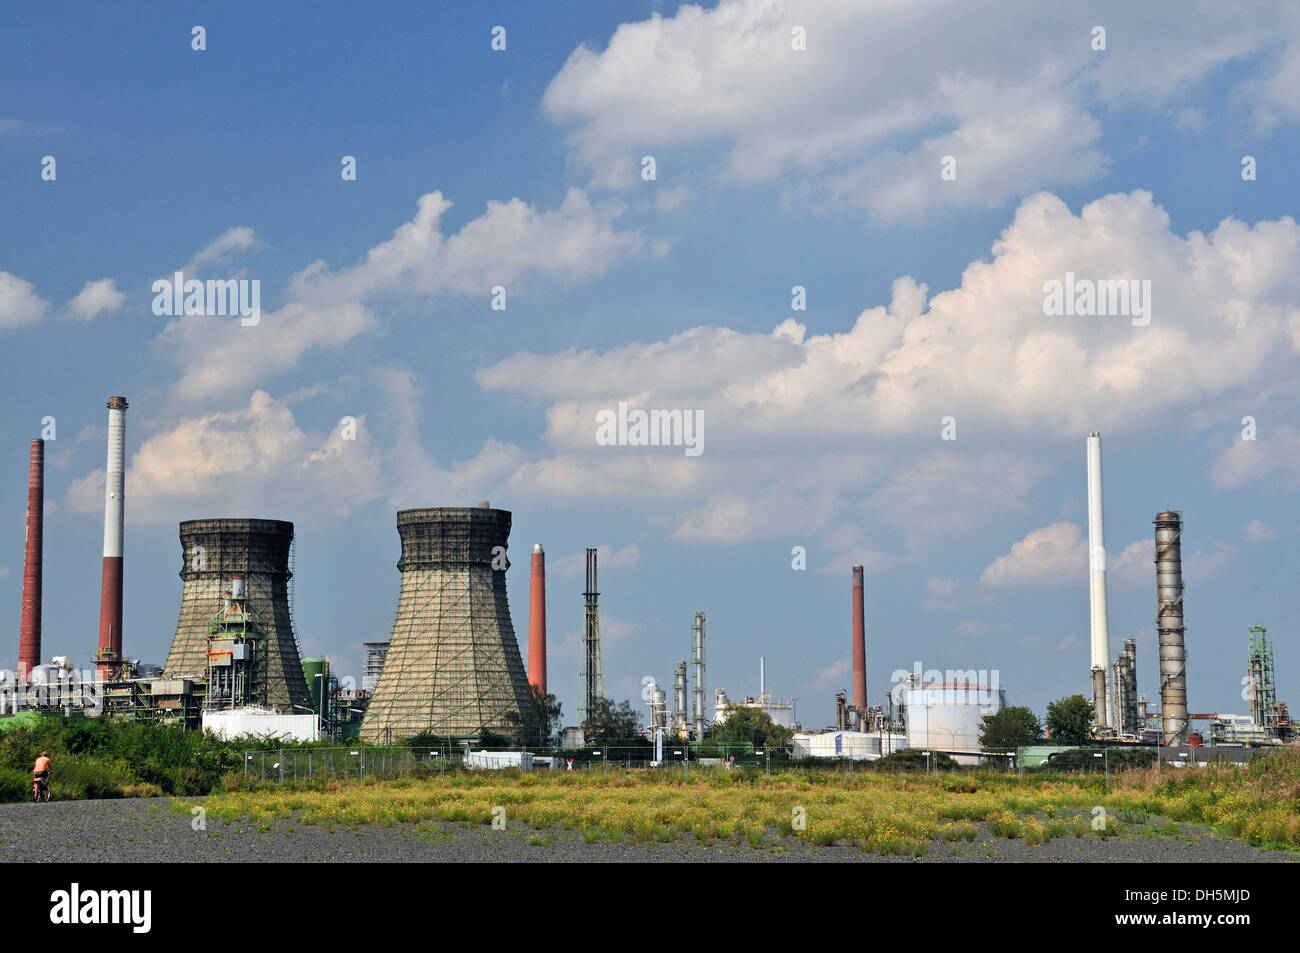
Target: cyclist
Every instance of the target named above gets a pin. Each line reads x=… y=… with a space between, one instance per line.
x=41 y=773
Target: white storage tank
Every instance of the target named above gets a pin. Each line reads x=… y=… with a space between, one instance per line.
x=946 y=716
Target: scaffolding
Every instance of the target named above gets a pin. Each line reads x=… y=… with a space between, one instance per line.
x=213 y=552
x=236 y=653
x=155 y=700
x=591 y=677
x=453 y=665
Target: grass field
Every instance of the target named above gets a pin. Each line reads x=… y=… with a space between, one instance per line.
x=886 y=813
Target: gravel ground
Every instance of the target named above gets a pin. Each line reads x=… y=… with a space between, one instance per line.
x=145 y=831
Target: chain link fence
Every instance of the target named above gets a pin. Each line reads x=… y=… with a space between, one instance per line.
x=365 y=761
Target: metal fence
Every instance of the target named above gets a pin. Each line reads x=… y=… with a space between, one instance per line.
x=364 y=761
x=305 y=764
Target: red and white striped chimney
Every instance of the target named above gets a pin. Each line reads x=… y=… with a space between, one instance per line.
x=29 y=629
x=537 y=621
x=859 y=645
x=109 y=656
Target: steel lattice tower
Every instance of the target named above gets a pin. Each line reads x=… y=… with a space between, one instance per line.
x=1263 y=693
x=591 y=679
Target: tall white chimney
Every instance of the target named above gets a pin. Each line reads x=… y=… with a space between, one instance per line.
x=1097 y=582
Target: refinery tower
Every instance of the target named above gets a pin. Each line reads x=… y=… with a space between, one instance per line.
x=453 y=665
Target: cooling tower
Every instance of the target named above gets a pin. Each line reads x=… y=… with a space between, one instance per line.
x=214 y=550
x=453 y=665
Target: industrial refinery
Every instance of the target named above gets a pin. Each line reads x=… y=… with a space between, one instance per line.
x=452 y=666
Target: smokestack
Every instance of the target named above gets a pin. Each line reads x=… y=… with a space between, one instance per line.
x=1097 y=580
x=109 y=655
x=1169 y=628
x=29 y=629
x=859 y=645
x=699 y=675
x=537 y=621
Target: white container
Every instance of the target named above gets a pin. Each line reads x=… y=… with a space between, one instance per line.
x=261 y=725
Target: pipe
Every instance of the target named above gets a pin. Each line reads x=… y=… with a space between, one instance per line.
x=537 y=621
x=680 y=712
x=1170 y=629
x=29 y=628
x=1097 y=582
x=859 y=644
x=110 y=596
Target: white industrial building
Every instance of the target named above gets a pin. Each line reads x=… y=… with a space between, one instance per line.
x=261 y=724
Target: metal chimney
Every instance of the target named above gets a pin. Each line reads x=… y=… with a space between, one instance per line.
x=109 y=655
x=29 y=629
x=859 y=645
x=1170 y=629
x=1097 y=582
x=537 y=620
x=698 y=630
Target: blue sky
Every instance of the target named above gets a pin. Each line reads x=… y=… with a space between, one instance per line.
x=775 y=167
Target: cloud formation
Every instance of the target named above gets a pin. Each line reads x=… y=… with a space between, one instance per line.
x=508 y=244
x=19 y=302
x=858 y=119
x=95 y=298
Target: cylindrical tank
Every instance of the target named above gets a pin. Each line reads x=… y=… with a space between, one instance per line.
x=311 y=668
x=948 y=717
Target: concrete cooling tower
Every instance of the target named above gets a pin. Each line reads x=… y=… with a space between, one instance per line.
x=215 y=550
x=453 y=665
